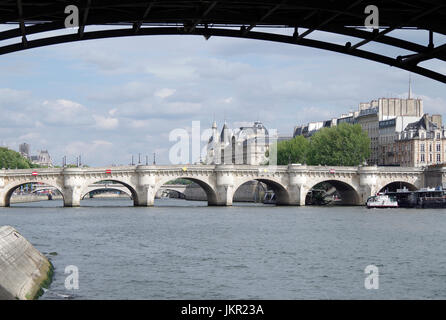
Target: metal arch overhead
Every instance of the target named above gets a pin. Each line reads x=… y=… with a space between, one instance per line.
x=212 y=17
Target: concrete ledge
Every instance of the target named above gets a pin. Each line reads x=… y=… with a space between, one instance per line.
x=32 y=198
x=23 y=269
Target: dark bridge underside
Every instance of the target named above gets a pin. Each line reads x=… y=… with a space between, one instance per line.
x=238 y=19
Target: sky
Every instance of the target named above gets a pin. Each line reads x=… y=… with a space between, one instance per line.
x=109 y=99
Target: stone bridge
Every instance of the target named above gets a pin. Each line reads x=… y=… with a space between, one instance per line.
x=291 y=183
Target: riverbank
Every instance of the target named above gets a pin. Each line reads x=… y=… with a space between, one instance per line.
x=24 y=271
x=109 y=196
x=32 y=198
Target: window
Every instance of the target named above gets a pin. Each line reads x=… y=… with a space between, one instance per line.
x=438 y=147
x=430 y=148
x=422 y=148
x=430 y=157
x=422 y=158
x=438 y=136
x=438 y=158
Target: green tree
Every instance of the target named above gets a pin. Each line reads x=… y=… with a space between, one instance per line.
x=12 y=159
x=292 y=151
x=180 y=181
x=342 y=145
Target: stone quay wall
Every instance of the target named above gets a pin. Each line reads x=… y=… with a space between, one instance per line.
x=23 y=269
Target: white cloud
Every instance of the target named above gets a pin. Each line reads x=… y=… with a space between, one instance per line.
x=433 y=105
x=137 y=124
x=228 y=100
x=62 y=111
x=106 y=123
x=164 y=93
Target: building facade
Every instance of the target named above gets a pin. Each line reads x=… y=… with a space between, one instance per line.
x=368 y=120
x=389 y=131
x=245 y=145
x=43 y=158
x=372 y=117
x=24 y=150
x=421 y=143
x=382 y=119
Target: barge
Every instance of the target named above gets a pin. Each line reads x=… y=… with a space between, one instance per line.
x=423 y=198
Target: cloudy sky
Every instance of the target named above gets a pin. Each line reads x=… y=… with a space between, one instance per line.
x=109 y=99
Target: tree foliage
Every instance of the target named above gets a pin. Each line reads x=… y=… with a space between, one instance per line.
x=180 y=181
x=12 y=159
x=292 y=151
x=342 y=145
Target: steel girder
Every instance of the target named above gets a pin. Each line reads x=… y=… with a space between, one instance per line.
x=241 y=19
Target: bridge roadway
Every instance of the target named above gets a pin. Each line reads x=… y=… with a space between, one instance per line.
x=291 y=183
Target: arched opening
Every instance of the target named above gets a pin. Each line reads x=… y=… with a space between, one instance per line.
x=398 y=185
x=34 y=193
x=185 y=191
x=261 y=191
x=402 y=192
x=109 y=193
x=106 y=193
x=165 y=193
x=332 y=192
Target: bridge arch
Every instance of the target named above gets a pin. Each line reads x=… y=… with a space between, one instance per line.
x=393 y=186
x=210 y=191
x=9 y=189
x=126 y=191
x=180 y=194
x=219 y=32
x=44 y=189
x=214 y=18
x=280 y=190
x=131 y=189
x=348 y=193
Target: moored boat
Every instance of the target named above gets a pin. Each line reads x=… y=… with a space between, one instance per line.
x=422 y=198
x=382 y=201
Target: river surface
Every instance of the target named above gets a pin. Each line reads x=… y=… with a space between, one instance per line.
x=185 y=250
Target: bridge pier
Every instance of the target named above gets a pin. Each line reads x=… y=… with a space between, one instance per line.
x=224 y=194
x=72 y=197
x=145 y=196
x=224 y=187
x=3 y=201
x=295 y=196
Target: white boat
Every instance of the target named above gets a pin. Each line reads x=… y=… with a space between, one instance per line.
x=382 y=201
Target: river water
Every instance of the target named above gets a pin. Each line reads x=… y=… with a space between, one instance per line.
x=185 y=250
